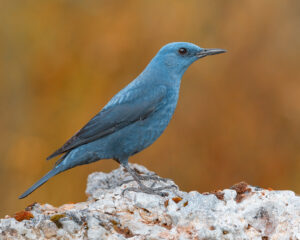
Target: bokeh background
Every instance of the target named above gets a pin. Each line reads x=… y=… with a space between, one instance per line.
x=238 y=116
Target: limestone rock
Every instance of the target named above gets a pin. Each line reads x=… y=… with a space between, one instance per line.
x=242 y=212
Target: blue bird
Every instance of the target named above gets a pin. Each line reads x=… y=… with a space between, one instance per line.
x=134 y=118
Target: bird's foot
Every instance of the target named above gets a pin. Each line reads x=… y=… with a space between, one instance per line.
x=150 y=190
x=153 y=177
x=142 y=188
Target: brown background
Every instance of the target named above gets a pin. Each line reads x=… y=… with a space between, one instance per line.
x=238 y=116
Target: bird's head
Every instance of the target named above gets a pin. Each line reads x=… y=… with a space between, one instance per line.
x=178 y=56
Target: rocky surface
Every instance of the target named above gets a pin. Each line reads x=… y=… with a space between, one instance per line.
x=241 y=212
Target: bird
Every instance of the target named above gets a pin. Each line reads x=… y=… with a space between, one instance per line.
x=133 y=119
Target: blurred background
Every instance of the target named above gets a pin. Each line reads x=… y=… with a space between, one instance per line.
x=238 y=116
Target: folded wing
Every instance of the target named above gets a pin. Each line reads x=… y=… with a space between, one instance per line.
x=129 y=108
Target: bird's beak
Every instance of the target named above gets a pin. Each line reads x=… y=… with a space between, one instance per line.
x=209 y=51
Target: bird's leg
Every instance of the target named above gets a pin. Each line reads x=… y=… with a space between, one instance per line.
x=142 y=187
x=141 y=177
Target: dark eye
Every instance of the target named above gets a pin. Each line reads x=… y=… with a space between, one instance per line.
x=182 y=51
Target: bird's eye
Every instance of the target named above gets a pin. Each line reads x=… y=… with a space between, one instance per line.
x=182 y=51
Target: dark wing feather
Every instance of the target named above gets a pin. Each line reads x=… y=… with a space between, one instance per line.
x=113 y=118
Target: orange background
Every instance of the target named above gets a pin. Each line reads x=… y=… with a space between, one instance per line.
x=238 y=116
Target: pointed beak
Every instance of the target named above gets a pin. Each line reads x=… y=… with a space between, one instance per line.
x=210 y=51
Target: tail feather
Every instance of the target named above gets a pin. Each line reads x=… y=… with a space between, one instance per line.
x=39 y=183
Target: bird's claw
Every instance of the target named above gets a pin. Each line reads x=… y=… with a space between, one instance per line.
x=153 y=177
x=148 y=190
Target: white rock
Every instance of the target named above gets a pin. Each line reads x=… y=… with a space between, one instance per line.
x=243 y=212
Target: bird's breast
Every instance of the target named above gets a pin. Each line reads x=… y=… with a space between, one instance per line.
x=156 y=123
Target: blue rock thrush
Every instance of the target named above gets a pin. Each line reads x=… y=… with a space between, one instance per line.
x=134 y=118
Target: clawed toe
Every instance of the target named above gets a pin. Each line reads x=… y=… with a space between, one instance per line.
x=148 y=190
x=153 y=177
x=142 y=188
x=146 y=178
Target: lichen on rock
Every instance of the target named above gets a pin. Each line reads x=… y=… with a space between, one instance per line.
x=242 y=212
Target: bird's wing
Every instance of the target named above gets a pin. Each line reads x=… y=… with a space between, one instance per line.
x=122 y=111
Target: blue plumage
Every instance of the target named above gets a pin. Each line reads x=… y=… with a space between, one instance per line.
x=135 y=117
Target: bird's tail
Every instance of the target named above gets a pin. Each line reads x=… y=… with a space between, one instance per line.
x=44 y=179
